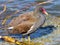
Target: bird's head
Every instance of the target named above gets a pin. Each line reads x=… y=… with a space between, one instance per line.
x=41 y=10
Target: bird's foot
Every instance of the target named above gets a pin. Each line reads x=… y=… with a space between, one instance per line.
x=29 y=40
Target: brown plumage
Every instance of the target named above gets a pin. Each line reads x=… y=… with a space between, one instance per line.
x=22 y=23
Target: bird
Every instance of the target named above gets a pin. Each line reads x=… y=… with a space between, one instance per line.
x=28 y=22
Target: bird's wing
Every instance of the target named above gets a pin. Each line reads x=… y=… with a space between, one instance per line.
x=21 y=18
x=23 y=23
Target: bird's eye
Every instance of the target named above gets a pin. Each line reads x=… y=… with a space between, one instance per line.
x=40 y=10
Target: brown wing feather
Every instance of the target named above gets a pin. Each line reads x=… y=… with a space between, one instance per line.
x=22 y=23
x=21 y=28
x=22 y=18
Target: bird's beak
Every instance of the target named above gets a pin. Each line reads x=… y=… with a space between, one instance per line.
x=46 y=13
x=10 y=28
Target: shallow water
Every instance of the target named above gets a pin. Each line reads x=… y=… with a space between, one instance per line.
x=23 y=6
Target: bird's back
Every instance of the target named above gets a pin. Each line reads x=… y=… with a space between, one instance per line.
x=23 y=22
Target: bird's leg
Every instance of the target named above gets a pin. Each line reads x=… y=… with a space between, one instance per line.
x=23 y=38
x=29 y=38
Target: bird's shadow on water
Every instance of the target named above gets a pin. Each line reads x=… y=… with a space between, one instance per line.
x=42 y=31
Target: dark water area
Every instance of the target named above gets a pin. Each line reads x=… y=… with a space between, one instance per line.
x=23 y=6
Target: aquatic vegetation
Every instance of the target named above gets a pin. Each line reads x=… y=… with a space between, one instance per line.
x=3 y=9
x=14 y=41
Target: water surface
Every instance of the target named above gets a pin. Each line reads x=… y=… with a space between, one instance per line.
x=27 y=6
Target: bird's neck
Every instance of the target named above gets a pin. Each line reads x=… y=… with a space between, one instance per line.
x=40 y=18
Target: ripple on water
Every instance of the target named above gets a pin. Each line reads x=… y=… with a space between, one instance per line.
x=44 y=32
